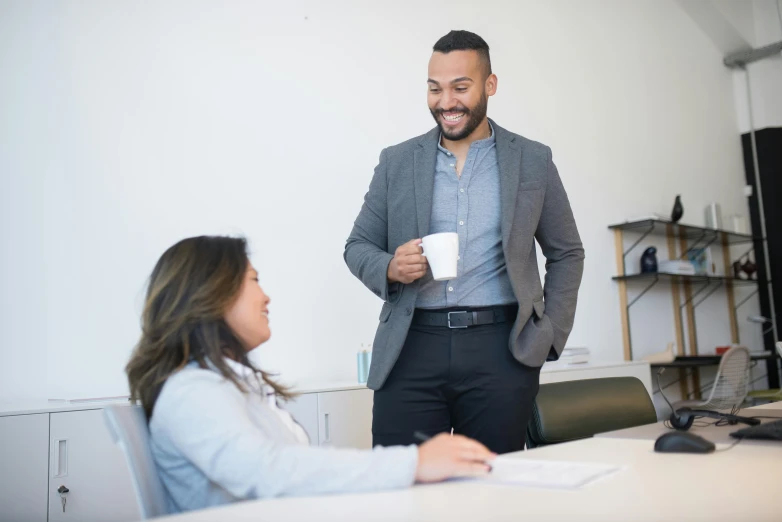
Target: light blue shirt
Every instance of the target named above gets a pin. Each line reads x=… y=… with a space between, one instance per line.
x=470 y=206
x=214 y=444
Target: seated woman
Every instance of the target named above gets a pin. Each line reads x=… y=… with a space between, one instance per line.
x=217 y=433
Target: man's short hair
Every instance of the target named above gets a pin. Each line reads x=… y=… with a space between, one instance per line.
x=465 y=41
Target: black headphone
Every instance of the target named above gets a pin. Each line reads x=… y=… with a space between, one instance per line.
x=683 y=418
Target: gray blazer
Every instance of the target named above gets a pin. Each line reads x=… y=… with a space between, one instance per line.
x=398 y=207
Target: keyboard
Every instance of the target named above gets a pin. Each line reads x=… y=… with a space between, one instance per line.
x=767 y=431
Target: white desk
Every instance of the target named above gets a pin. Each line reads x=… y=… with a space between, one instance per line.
x=770 y=406
x=716 y=434
x=739 y=484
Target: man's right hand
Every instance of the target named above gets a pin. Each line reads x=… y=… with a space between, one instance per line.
x=408 y=264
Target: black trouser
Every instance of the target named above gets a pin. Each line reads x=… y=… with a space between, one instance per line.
x=465 y=379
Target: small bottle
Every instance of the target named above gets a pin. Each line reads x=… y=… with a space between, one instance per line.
x=363 y=358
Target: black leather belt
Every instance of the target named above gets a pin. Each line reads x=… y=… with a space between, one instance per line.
x=465 y=318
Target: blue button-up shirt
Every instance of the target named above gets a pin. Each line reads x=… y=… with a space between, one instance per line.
x=470 y=206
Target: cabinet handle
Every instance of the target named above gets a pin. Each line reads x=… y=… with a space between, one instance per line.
x=60 y=460
x=326 y=428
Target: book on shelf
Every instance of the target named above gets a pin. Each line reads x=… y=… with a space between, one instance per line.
x=676 y=266
x=575 y=359
x=702 y=261
x=645 y=217
x=572 y=355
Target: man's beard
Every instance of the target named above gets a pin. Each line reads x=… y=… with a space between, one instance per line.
x=474 y=118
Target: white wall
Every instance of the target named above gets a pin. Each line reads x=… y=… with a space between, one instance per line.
x=127 y=126
x=765 y=75
x=740 y=15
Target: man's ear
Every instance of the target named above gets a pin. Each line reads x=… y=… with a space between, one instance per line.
x=491 y=85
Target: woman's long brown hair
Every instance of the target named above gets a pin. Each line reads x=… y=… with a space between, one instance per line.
x=192 y=286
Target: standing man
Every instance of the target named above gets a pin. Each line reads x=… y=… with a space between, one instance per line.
x=465 y=353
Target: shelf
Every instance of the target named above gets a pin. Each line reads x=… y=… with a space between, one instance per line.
x=658 y=227
x=682 y=240
x=693 y=361
x=678 y=278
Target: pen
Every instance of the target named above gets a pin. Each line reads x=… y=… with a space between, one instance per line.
x=423 y=437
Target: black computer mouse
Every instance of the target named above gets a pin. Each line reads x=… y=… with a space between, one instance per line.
x=682 y=442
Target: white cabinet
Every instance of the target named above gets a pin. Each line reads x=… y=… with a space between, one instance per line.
x=345 y=419
x=86 y=461
x=24 y=457
x=304 y=409
x=341 y=419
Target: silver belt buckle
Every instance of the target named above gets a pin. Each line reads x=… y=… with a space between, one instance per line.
x=449 y=319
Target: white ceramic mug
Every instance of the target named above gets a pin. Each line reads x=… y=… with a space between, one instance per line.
x=442 y=253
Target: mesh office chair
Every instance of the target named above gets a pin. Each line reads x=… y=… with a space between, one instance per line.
x=129 y=430
x=730 y=385
x=572 y=410
x=772 y=395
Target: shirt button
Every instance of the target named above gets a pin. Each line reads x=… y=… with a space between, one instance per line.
x=461 y=190
x=450 y=289
x=458 y=258
x=453 y=165
x=461 y=222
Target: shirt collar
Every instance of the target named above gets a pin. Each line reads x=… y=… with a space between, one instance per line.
x=239 y=369
x=246 y=375
x=479 y=144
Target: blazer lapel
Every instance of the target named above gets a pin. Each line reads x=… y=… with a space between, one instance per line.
x=424 y=162
x=509 y=160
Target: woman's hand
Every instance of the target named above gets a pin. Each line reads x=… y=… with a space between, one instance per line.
x=446 y=456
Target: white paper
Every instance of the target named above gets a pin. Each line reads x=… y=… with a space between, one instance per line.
x=549 y=474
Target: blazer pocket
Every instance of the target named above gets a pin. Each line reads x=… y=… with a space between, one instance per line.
x=385 y=312
x=530 y=185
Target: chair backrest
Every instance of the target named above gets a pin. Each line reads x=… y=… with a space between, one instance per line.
x=572 y=410
x=128 y=428
x=732 y=381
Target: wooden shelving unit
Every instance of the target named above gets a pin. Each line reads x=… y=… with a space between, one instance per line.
x=681 y=239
